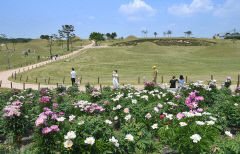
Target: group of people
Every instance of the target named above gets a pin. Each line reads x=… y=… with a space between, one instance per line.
x=173 y=81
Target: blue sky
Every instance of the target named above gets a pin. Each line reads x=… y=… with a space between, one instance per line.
x=31 y=18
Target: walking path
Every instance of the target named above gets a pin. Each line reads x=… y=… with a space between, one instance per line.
x=4 y=75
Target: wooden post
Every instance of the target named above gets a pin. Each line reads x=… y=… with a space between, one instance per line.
x=238 y=81
x=18 y=70
x=101 y=87
x=27 y=79
x=81 y=79
x=63 y=80
x=162 y=79
x=39 y=86
x=57 y=85
x=36 y=79
x=23 y=86
x=1 y=83
x=15 y=76
x=32 y=67
x=11 y=85
x=48 y=80
x=211 y=77
x=138 y=80
x=12 y=75
x=186 y=79
x=21 y=78
x=98 y=80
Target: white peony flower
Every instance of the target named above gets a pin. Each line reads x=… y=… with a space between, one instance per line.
x=129 y=137
x=182 y=124
x=71 y=117
x=213 y=118
x=61 y=119
x=71 y=135
x=210 y=122
x=119 y=107
x=68 y=144
x=81 y=123
x=200 y=123
x=169 y=116
x=116 y=118
x=154 y=126
x=196 y=138
x=156 y=109
x=89 y=140
x=228 y=133
x=134 y=101
x=128 y=117
x=113 y=140
x=108 y=122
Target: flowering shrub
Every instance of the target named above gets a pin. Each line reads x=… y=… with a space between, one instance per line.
x=228 y=82
x=149 y=86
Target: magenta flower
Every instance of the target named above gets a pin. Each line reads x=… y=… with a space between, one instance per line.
x=178 y=96
x=55 y=105
x=54 y=128
x=46 y=130
x=54 y=116
x=200 y=110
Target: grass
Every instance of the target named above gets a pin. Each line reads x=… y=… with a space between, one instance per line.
x=196 y=62
x=17 y=58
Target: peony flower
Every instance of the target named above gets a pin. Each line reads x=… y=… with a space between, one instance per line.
x=126 y=110
x=55 y=105
x=156 y=110
x=228 y=133
x=68 y=144
x=39 y=122
x=200 y=110
x=196 y=138
x=71 y=135
x=180 y=116
x=182 y=124
x=134 y=101
x=169 y=116
x=61 y=119
x=210 y=122
x=118 y=107
x=71 y=117
x=162 y=116
x=128 y=117
x=129 y=137
x=160 y=106
x=55 y=128
x=90 y=140
x=81 y=123
x=200 y=123
x=108 y=122
x=46 y=130
x=116 y=118
x=114 y=140
x=154 y=126
x=236 y=104
x=148 y=116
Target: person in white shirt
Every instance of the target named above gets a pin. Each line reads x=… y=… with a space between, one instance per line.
x=73 y=76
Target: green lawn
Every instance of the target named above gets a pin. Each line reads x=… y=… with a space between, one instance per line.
x=196 y=62
x=17 y=58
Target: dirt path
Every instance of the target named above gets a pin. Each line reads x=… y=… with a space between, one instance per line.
x=4 y=75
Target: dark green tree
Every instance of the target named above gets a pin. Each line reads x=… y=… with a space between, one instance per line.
x=113 y=35
x=45 y=37
x=108 y=35
x=96 y=37
x=155 y=34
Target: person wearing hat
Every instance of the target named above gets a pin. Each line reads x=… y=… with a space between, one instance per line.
x=155 y=75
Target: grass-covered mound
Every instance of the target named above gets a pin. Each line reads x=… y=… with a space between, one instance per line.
x=167 y=42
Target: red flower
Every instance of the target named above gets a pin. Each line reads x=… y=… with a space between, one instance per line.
x=162 y=116
x=168 y=123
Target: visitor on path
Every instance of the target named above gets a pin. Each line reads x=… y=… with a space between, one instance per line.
x=73 y=76
x=155 y=72
x=115 y=79
x=78 y=82
x=173 y=82
x=181 y=82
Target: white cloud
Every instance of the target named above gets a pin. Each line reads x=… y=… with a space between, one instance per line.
x=137 y=10
x=229 y=9
x=195 y=6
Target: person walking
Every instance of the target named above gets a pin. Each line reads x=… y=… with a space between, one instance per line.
x=155 y=72
x=173 y=82
x=181 y=82
x=115 y=79
x=73 y=76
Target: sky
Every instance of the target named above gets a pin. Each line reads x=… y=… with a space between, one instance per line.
x=32 y=18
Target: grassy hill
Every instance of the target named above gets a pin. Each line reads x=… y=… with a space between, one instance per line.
x=17 y=58
x=220 y=59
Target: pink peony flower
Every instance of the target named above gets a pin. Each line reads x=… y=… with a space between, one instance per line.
x=162 y=116
x=55 y=128
x=180 y=116
x=126 y=110
x=148 y=116
x=200 y=110
x=46 y=130
x=55 y=105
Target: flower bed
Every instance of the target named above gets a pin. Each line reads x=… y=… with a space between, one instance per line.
x=125 y=120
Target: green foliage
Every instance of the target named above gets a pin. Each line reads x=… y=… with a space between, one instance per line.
x=96 y=37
